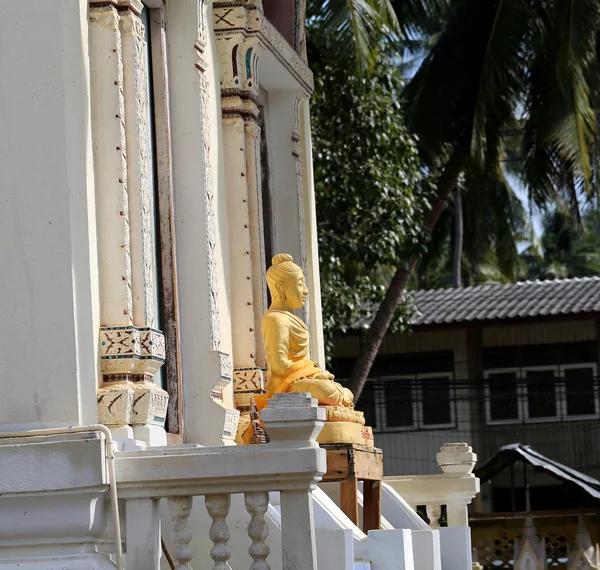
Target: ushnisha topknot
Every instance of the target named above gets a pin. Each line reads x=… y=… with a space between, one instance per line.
x=282 y=269
x=282 y=258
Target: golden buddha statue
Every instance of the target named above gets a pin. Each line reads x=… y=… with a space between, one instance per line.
x=289 y=366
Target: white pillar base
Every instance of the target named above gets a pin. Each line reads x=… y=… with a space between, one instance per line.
x=125 y=432
x=153 y=436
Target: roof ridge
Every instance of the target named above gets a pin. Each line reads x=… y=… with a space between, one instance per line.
x=508 y=285
x=501 y=301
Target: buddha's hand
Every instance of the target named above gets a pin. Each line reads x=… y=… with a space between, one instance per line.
x=324 y=375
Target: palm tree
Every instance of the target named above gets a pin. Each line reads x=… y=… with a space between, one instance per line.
x=364 y=25
x=494 y=63
x=568 y=248
x=358 y=25
x=494 y=224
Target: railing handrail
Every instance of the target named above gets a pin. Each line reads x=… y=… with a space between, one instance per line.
x=161 y=472
x=292 y=463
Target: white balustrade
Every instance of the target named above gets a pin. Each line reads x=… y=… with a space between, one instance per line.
x=434 y=512
x=292 y=464
x=258 y=530
x=180 y=509
x=218 y=508
x=455 y=488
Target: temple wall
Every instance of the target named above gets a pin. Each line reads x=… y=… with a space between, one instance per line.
x=83 y=177
x=48 y=283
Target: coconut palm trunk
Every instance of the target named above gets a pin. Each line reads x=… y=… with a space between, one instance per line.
x=397 y=289
x=458 y=239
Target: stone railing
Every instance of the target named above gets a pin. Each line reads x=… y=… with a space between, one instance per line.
x=292 y=463
x=455 y=488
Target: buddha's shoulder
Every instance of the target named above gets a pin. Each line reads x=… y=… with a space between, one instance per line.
x=272 y=316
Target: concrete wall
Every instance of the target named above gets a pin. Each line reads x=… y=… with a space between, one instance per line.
x=48 y=285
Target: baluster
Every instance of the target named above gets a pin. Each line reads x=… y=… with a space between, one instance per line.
x=180 y=509
x=299 y=545
x=143 y=534
x=258 y=529
x=218 y=509
x=434 y=512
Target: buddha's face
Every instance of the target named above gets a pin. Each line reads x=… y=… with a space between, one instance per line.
x=296 y=292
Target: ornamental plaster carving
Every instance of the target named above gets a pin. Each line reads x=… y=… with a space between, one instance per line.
x=130 y=353
x=298 y=160
x=149 y=405
x=249 y=380
x=226 y=366
x=115 y=403
x=247 y=19
x=141 y=196
x=247 y=383
x=209 y=191
x=253 y=147
x=230 y=425
x=129 y=358
x=230 y=17
x=225 y=377
x=202 y=24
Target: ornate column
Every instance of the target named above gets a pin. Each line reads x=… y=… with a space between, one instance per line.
x=238 y=48
x=299 y=160
x=132 y=349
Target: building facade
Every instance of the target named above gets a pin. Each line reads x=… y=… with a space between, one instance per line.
x=154 y=155
x=152 y=160
x=492 y=365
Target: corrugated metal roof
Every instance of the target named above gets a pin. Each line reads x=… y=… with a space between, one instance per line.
x=515 y=301
x=516 y=451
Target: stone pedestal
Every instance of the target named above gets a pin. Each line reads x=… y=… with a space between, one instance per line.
x=53 y=499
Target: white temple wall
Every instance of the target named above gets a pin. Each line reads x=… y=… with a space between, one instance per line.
x=48 y=284
x=74 y=172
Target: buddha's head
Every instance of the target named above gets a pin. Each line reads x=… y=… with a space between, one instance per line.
x=286 y=282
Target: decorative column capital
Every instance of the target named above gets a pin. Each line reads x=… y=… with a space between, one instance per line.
x=236 y=28
x=129 y=358
x=456 y=459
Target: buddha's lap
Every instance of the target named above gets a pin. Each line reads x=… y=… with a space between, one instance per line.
x=325 y=391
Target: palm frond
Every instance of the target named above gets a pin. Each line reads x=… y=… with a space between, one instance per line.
x=358 y=25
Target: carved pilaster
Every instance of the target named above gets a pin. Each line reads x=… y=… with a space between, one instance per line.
x=300 y=194
x=209 y=191
x=110 y=159
x=236 y=26
x=299 y=159
x=131 y=350
x=257 y=239
x=139 y=182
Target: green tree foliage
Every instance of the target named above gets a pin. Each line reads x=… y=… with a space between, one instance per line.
x=567 y=249
x=495 y=224
x=369 y=182
x=356 y=26
x=495 y=64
